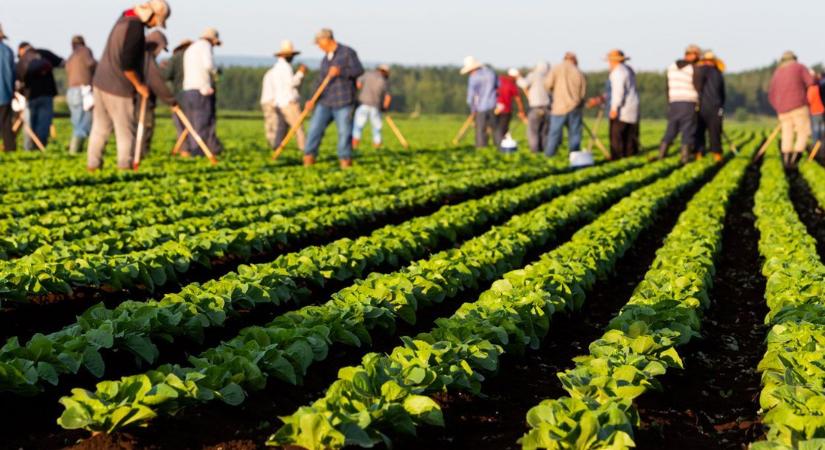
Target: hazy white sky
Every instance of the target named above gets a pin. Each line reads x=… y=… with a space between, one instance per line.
x=745 y=34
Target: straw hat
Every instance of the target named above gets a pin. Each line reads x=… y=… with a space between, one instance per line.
x=709 y=55
x=693 y=48
x=212 y=35
x=470 y=64
x=287 y=49
x=157 y=8
x=384 y=68
x=616 y=55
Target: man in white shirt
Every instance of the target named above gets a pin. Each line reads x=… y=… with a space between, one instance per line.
x=280 y=100
x=198 y=97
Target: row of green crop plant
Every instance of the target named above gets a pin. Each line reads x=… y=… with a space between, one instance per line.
x=286 y=347
x=291 y=278
x=793 y=368
x=393 y=393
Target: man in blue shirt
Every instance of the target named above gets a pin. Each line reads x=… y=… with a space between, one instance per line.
x=6 y=94
x=482 y=86
x=337 y=101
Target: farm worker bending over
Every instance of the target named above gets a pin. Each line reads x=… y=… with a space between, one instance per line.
x=80 y=68
x=506 y=93
x=173 y=73
x=374 y=98
x=682 y=104
x=280 y=100
x=482 y=94
x=198 y=97
x=155 y=44
x=538 y=117
x=118 y=79
x=710 y=84
x=621 y=99
x=7 y=77
x=817 y=109
x=567 y=85
x=337 y=102
x=35 y=69
x=788 y=94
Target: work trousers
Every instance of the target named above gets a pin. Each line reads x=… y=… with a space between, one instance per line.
x=81 y=119
x=796 y=129
x=818 y=128
x=363 y=114
x=624 y=139
x=148 y=127
x=38 y=116
x=278 y=121
x=200 y=110
x=321 y=118
x=538 y=126
x=681 y=119
x=710 y=122
x=501 y=127
x=7 y=137
x=484 y=122
x=573 y=120
x=112 y=112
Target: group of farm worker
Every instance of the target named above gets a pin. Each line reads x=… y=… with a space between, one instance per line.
x=106 y=96
x=337 y=85
x=556 y=98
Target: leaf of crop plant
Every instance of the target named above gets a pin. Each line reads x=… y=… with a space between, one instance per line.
x=425 y=408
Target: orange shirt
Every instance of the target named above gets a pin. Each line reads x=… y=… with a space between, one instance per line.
x=815 y=100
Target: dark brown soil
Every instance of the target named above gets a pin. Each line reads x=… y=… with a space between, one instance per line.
x=810 y=211
x=498 y=421
x=713 y=403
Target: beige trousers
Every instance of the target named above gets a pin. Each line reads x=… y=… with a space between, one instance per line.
x=112 y=113
x=795 y=122
x=276 y=119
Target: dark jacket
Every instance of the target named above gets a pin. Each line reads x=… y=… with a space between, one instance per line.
x=173 y=70
x=36 y=71
x=710 y=84
x=124 y=51
x=341 y=90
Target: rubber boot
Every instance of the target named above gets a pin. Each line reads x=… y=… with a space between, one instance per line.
x=75 y=145
x=663 y=150
x=786 y=160
x=346 y=163
x=684 y=154
x=309 y=160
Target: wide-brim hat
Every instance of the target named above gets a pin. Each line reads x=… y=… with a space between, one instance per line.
x=213 y=35
x=287 y=49
x=470 y=64
x=616 y=55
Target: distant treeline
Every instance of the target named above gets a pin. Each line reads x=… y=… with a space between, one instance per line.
x=430 y=89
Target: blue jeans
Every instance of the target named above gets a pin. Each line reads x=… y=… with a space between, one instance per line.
x=573 y=121
x=81 y=120
x=364 y=113
x=38 y=116
x=818 y=128
x=323 y=116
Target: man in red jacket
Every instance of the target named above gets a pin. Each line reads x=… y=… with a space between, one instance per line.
x=506 y=93
x=788 y=94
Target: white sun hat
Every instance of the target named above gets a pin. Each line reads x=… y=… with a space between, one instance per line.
x=470 y=64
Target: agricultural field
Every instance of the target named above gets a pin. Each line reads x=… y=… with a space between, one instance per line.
x=438 y=297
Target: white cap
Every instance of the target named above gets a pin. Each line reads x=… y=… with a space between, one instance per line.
x=513 y=72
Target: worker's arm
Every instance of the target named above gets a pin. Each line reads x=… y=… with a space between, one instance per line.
x=520 y=105
x=472 y=92
x=131 y=56
x=350 y=66
x=154 y=79
x=298 y=77
x=387 y=101
x=133 y=78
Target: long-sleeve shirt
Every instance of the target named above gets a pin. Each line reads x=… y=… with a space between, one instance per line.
x=341 y=90
x=80 y=67
x=280 y=85
x=7 y=75
x=173 y=72
x=680 y=87
x=568 y=86
x=710 y=84
x=154 y=79
x=624 y=98
x=533 y=83
x=507 y=91
x=482 y=88
x=123 y=52
x=198 y=66
x=36 y=70
x=789 y=87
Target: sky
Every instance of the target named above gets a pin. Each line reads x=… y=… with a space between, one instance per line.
x=745 y=34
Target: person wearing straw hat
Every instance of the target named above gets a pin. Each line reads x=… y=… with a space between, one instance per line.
x=482 y=95
x=198 y=97
x=682 y=103
x=7 y=77
x=337 y=102
x=156 y=43
x=623 y=107
x=710 y=84
x=788 y=95
x=280 y=100
x=567 y=84
x=80 y=69
x=506 y=93
x=118 y=80
x=373 y=98
x=538 y=100
x=173 y=74
x=35 y=73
